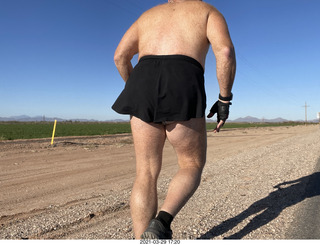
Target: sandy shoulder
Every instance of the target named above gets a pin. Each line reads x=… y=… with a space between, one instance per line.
x=80 y=188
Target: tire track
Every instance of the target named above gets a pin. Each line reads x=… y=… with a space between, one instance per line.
x=58 y=221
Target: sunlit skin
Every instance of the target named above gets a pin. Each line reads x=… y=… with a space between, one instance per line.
x=186 y=27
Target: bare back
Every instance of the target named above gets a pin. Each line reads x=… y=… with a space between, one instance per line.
x=175 y=28
x=182 y=27
x=185 y=27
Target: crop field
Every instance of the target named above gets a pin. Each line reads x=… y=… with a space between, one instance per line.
x=31 y=130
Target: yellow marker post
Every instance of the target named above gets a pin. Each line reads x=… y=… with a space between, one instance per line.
x=54 y=130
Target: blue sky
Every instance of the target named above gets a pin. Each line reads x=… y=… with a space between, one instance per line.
x=56 y=57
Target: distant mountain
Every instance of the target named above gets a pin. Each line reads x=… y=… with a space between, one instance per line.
x=249 y=119
x=24 y=118
x=118 y=120
x=256 y=120
x=315 y=121
x=278 y=119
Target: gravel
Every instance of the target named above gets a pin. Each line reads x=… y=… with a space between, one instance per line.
x=238 y=197
x=244 y=196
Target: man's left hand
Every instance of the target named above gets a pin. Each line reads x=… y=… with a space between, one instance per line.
x=222 y=110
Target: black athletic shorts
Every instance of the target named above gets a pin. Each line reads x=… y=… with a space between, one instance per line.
x=164 y=88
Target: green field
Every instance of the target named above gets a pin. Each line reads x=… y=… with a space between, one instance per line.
x=31 y=130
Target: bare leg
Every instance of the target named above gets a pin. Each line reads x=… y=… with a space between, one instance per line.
x=149 y=140
x=190 y=143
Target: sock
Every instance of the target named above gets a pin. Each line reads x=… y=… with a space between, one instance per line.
x=165 y=218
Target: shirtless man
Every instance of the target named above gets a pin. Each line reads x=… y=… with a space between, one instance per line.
x=164 y=94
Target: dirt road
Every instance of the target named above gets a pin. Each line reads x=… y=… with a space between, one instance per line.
x=80 y=187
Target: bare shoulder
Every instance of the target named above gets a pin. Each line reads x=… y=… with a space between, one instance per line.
x=213 y=11
x=153 y=10
x=196 y=7
x=206 y=7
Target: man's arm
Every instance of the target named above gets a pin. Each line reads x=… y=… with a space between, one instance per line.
x=127 y=48
x=219 y=38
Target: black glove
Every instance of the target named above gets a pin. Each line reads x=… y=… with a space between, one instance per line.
x=222 y=110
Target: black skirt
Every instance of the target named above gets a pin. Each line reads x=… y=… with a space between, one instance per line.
x=164 y=88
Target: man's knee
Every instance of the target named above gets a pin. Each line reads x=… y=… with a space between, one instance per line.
x=195 y=161
x=145 y=175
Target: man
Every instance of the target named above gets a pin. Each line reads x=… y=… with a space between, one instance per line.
x=164 y=94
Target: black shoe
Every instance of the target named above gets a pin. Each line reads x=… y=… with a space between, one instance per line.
x=156 y=230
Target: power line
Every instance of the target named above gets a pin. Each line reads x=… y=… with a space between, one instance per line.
x=266 y=88
x=306 y=113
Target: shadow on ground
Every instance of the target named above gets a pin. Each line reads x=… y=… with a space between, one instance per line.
x=287 y=194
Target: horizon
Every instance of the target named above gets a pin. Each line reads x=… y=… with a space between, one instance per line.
x=43 y=118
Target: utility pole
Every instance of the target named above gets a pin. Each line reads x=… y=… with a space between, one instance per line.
x=306 y=114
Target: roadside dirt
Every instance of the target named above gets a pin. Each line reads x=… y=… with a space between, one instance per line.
x=79 y=187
